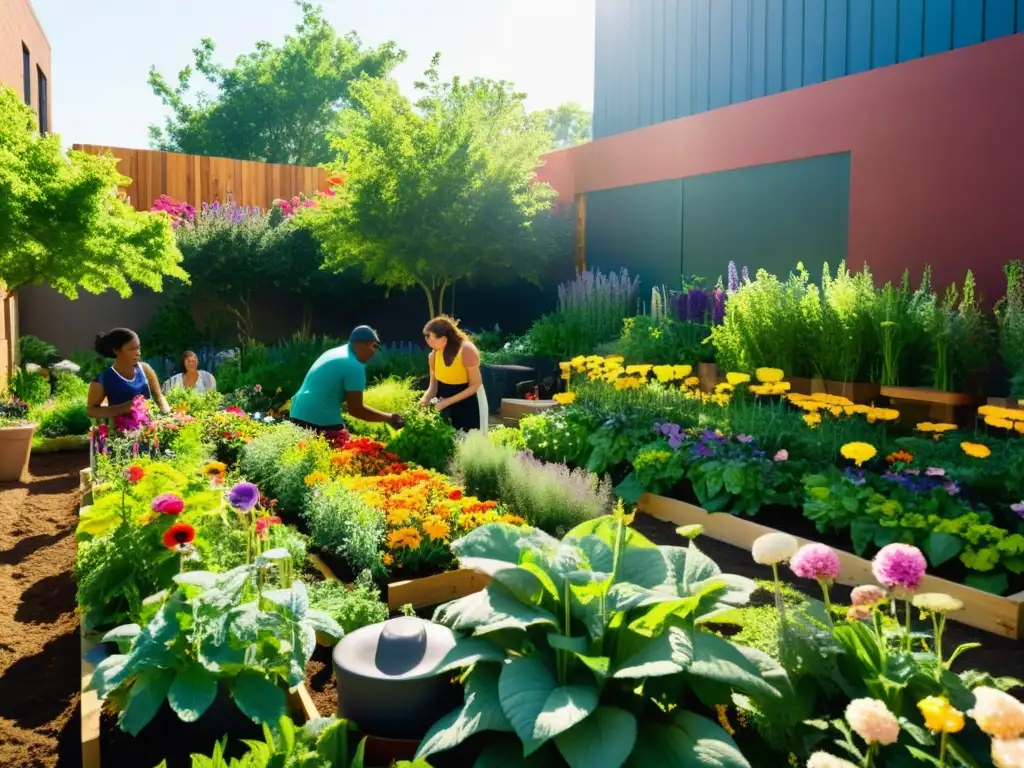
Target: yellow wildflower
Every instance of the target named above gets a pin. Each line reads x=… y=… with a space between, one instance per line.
x=565 y=398
x=723 y=387
x=436 y=528
x=858 y=452
x=882 y=414
x=769 y=375
x=681 y=371
x=998 y=421
x=940 y=716
x=387 y=559
x=691 y=381
x=975 y=450
x=638 y=370
x=316 y=478
x=664 y=373
x=737 y=378
x=404 y=538
x=812 y=419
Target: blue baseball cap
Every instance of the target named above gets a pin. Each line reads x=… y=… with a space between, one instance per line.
x=363 y=333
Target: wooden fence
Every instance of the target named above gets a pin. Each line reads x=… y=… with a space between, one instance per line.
x=199 y=179
x=8 y=335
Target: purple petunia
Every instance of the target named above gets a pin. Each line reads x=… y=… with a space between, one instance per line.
x=899 y=567
x=244 y=496
x=1018 y=508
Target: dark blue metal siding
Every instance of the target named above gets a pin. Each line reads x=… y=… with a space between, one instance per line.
x=657 y=60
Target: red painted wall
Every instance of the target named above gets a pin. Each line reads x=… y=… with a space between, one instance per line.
x=937 y=157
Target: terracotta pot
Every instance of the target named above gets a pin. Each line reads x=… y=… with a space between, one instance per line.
x=15 y=448
x=708 y=375
x=863 y=393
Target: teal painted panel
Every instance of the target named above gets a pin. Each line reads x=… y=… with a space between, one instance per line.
x=658 y=112
x=638 y=51
x=702 y=56
x=769 y=216
x=684 y=63
x=968 y=22
x=720 y=54
x=938 y=26
x=835 y=38
x=671 y=74
x=911 y=29
x=858 y=37
x=792 y=46
x=814 y=41
x=758 y=47
x=999 y=18
x=640 y=228
x=740 y=65
x=601 y=63
x=775 y=34
x=884 y=21
x=645 y=48
x=1020 y=15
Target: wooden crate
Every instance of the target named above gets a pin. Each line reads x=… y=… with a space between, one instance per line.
x=437 y=589
x=999 y=615
x=513 y=409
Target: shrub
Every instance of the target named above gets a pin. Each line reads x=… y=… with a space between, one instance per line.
x=509 y=437
x=68 y=386
x=32 y=349
x=29 y=387
x=275 y=463
x=426 y=439
x=61 y=418
x=341 y=523
x=549 y=496
x=392 y=395
x=352 y=607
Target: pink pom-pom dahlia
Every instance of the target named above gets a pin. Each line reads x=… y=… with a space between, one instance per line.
x=816 y=561
x=899 y=567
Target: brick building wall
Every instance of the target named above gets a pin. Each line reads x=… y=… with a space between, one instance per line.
x=21 y=34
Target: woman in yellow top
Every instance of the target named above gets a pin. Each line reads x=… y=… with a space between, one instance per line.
x=456 y=388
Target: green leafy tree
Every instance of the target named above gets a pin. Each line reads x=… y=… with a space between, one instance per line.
x=62 y=222
x=277 y=103
x=569 y=124
x=441 y=189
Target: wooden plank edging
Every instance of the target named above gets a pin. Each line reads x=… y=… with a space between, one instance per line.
x=434 y=590
x=1002 y=616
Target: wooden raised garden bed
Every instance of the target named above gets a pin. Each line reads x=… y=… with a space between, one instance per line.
x=999 y=615
x=860 y=392
x=938 y=405
x=434 y=590
x=512 y=409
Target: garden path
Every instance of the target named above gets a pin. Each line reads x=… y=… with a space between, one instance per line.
x=39 y=641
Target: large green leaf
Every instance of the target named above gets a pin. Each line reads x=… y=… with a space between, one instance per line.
x=500 y=541
x=323 y=622
x=666 y=654
x=147 y=694
x=481 y=711
x=261 y=700
x=192 y=692
x=564 y=708
x=603 y=740
x=108 y=674
x=688 y=741
x=693 y=572
x=493 y=608
x=715 y=658
x=99 y=519
x=467 y=651
x=942 y=547
x=504 y=752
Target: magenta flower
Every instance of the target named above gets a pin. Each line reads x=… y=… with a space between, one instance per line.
x=899 y=567
x=244 y=496
x=816 y=561
x=167 y=504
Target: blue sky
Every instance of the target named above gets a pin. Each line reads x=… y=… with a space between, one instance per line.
x=102 y=50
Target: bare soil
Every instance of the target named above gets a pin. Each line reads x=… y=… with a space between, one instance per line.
x=39 y=642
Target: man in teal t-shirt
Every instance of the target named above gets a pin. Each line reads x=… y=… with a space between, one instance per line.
x=339 y=376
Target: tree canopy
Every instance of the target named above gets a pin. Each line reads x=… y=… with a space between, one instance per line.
x=439 y=190
x=277 y=103
x=568 y=124
x=62 y=221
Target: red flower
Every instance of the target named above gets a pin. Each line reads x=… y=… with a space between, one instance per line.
x=135 y=473
x=263 y=523
x=178 y=535
x=336 y=180
x=234 y=410
x=455 y=494
x=104 y=431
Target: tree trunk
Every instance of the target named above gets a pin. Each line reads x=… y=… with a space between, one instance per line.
x=435 y=295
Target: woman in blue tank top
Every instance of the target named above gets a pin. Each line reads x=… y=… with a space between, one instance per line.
x=127 y=378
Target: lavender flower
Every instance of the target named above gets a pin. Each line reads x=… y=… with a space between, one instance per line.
x=744 y=276
x=733 y=284
x=718 y=298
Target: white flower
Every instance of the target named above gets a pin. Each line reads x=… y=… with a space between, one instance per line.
x=937 y=602
x=1007 y=753
x=774 y=548
x=825 y=760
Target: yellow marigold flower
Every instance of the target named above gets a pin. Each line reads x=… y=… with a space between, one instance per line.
x=975 y=450
x=664 y=373
x=737 y=378
x=761 y=390
x=404 y=538
x=436 y=528
x=1019 y=426
x=837 y=411
x=720 y=399
x=614 y=359
x=940 y=716
x=215 y=468
x=998 y=421
x=691 y=381
x=812 y=419
x=781 y=386
x=638 y=370
x=937 y=429
x=565 y=398
x=397 y=517
x=769 y=375
x=387 y=559
x=316 y=478
x=882 y=414
x=723 y=387
x=681 y=371
x=858 y=452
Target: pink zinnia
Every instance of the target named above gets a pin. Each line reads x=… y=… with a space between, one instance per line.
x=782 y=455
x=899 y=566
x=867 y=594
x=167 y=504
x=816 y=561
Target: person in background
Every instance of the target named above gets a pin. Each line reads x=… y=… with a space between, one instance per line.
x=455 y=381
x=339 y=377
x=191 y=377
x=126 y=378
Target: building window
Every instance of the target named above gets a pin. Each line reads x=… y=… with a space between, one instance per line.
x=44 y=103
x=26 y=73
